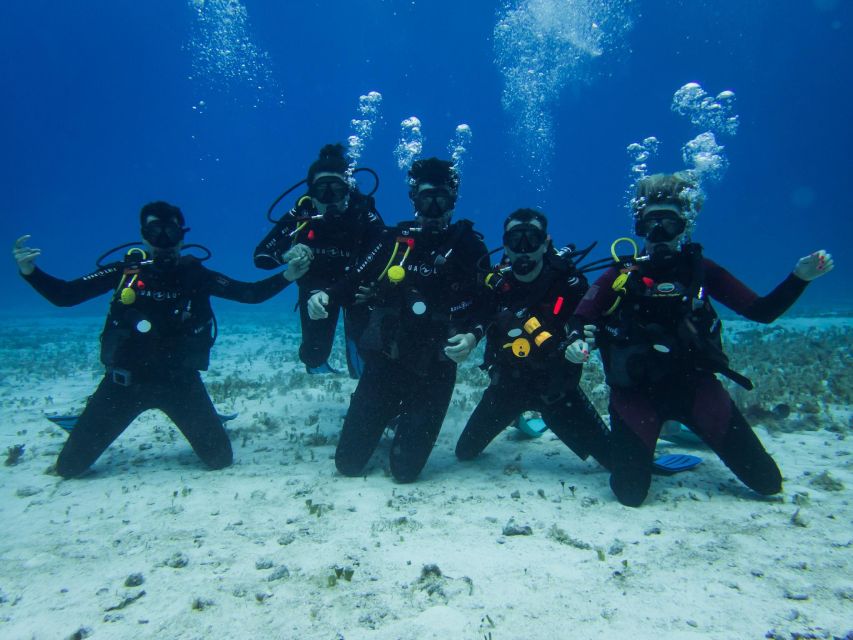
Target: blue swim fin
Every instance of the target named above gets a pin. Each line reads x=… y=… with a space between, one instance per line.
x=531 y=427
x=671 y=463
x=323 y=368
x=354 y=360
x=68 y=422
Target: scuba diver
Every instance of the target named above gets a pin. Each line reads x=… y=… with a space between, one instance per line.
x=535 y=289
x=157 y=336
x=337 y=222
x=660 y=341
x=421 y=286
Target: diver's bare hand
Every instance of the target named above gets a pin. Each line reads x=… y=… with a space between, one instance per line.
x=296 y=268
x=317 y=304
x=365 y=294
x=299 y=250
x=589 y=331
x=25 y=256
x=814 y=265
x=298 y=260
x=577 y=352
x=459 y=346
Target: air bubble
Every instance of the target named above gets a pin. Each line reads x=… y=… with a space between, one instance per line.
x=542 y=47
x=368 y=114
x=458 y=146
x=224 y=56
x=411 y=143
x=714 y=114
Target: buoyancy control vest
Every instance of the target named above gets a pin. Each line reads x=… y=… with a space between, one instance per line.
x=530 y=323
x=425 y=284
x=663 y=325
x=335 y=239
x=159 y=318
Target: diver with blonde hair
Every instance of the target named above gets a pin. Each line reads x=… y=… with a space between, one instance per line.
x=661 y=345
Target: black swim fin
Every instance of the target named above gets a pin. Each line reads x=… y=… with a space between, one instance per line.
x=68 y=422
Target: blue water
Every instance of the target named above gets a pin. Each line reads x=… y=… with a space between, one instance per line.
x=98 y=118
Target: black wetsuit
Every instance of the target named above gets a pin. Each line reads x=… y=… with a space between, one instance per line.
x=154 y=343
x=406 y=371
x=661 y=348
x=337 y=243
x=530 y=377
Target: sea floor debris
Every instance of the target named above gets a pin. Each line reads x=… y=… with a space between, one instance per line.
x=257 y=544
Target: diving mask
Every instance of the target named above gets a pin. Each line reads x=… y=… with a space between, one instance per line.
x=163 y=233
x=662 y=225
x=524 y=238
x=328 y=190
x=434 y=203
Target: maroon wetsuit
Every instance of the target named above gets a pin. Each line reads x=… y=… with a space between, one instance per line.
x=689 y=394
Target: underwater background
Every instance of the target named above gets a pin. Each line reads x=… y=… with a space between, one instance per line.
x=218 y=106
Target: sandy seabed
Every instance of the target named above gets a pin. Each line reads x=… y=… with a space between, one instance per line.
x=526 y=542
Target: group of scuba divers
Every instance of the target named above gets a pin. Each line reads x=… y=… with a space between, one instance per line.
x=416 y=299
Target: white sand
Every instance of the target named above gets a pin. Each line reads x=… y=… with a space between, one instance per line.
x=703 y=558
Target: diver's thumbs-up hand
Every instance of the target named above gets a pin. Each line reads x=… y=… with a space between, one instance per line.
x=25 y=256
x=814 y=265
